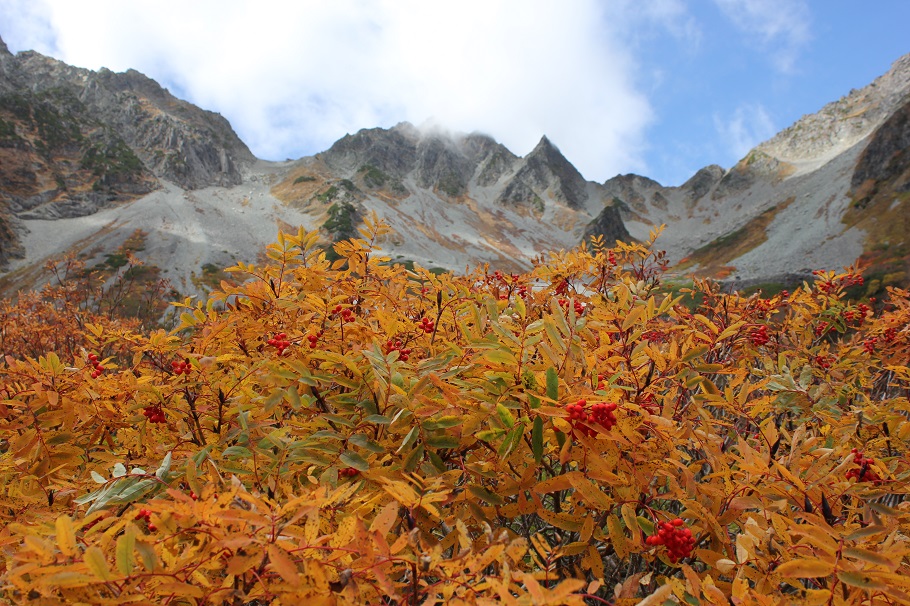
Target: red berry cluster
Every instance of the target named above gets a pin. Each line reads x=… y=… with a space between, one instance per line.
x=181 y=368
x=832 y=283
x=426 y=325
x=679 y=540
x=348 y=472
x=601 y=414
x=578 y=305
x=759 y=336
x=145 y=514
x=313 y=338
x=654 y=336
x=96 y=364
x=279 y=342
x=890 y=335
x=822 y=328
x=396 y=345
x=154 y=413
x=824 y=361
x=761 y=308
x=869 y=345
x=864 y=473
x=344 y=313
x=611 y=257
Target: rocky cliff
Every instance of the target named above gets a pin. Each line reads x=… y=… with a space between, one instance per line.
x=73 y=141
x=454 y=199
x=823 y=193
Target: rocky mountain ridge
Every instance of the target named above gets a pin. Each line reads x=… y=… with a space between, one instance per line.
x=828 y=191
x=453 y=199
x=73 y=141
x=88 y=160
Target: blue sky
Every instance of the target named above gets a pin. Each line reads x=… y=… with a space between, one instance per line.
x=656 y=87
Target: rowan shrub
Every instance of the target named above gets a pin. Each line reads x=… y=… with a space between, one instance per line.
x=569 y=435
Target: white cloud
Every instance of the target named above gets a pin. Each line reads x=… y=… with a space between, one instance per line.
x=780 y=27
x=295 y=76
x=749 y=125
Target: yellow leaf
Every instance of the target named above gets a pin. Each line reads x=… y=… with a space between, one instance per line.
x=870 y=556
x=126 y=544
x=658 y=597
x=618 y=537
x=66 y=535
x=805 y=568
x=386 y=519
x=593 y=496
x=634 y=316
x=283 y=564
x=96 y=562
x=180 y=589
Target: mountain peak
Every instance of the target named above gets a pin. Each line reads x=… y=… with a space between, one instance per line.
x=4 y=49
x=816 y=138
x=544 y=144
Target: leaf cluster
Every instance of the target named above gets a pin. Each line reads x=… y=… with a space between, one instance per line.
x=332 y=469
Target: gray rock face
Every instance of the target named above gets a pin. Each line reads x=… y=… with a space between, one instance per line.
x=443 y=165
x=888 y=154
x=703 y=181
x=784 y=207
x=174 y=139
x=546 y=173
x=452 y=165
x=608 y=224
x=74 y=141
x=393 y=151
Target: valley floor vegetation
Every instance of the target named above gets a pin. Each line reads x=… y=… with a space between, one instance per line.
x=356 y=432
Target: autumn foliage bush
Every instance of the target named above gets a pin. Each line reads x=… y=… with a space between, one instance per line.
x=570 y=435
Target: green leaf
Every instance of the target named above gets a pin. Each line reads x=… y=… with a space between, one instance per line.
x=409 y=439
x=164 y=467
x=237 y=452
x=489 y=435
x=537 y=440
x=552 y=384
x=444 y=422
x=413 y=459
x=513 y=438
x=352 y=459
x=694 y=353
x=378 y=419
x=131 y=492
x=505 y=415
x=646 y=525
x=482 y=493
x=442 y=441
x=366 y=443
